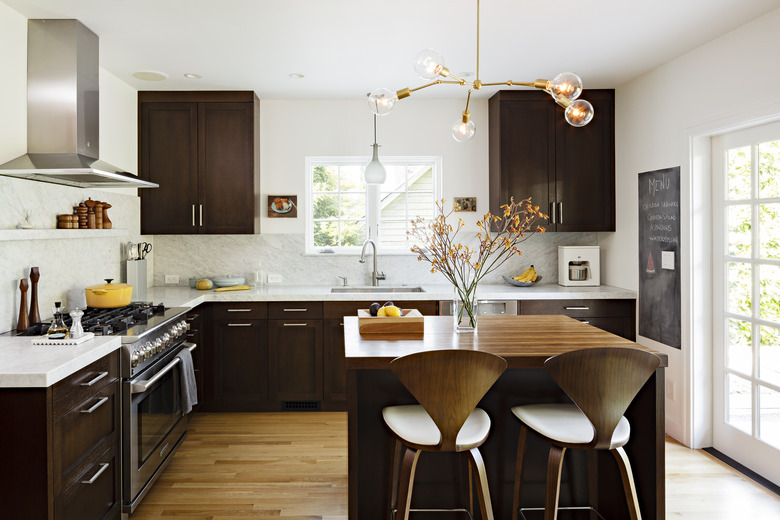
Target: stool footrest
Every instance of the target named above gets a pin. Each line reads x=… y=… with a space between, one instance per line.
x=572 y=516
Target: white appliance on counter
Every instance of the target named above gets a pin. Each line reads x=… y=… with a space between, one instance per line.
x=579 y=265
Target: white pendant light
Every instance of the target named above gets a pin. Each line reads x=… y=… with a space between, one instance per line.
x=374 y=173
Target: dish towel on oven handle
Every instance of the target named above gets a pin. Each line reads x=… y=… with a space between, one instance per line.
x=189 y=388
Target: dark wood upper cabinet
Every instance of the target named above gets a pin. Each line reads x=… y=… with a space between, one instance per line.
x=202 y=148
x=568 y=172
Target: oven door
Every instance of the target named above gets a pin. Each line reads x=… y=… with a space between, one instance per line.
x=153 y=425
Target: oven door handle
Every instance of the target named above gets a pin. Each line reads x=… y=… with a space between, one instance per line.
x=144 y=385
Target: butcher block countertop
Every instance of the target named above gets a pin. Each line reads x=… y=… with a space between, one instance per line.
x=524 y=341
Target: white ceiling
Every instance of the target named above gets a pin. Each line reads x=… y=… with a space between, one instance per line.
x=346 y=48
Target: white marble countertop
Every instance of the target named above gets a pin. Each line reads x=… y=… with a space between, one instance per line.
x=180 y=296
x=24 y=365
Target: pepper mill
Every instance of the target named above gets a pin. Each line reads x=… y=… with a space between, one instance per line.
x=35 y=275
x=24 y=321
x=90 y=213
x=106 y=222
x=98 y=215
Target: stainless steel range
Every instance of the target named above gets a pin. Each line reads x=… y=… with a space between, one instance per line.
x=153 y=421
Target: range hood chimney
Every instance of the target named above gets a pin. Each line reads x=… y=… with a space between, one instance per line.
x=62 y=111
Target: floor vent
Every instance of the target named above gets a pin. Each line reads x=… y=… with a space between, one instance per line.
x=300 y=405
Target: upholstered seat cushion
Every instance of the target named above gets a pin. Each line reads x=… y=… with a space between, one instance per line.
x=566 y=423
x=412 y=424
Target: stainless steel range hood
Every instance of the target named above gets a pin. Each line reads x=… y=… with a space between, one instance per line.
x=62 y=111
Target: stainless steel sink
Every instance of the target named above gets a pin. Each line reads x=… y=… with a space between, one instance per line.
x=377 y=289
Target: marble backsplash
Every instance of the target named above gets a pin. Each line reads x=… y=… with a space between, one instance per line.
x=192 y=256
x=66 y=265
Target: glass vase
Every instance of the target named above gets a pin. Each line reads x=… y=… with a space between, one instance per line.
x=464 y=310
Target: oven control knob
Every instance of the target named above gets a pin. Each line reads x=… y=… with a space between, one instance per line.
x=183 y=326
x=147 y=350
x=135 y=358
x=166 y=339
x=158 y=345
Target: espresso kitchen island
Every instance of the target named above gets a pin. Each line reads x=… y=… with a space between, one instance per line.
x=441 y=479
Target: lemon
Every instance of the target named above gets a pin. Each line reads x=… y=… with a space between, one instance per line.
x=382 y=311
x=392 y=310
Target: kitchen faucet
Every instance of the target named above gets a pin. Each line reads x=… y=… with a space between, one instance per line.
x=375 y=276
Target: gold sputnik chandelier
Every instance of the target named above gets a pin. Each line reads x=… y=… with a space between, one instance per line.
x=564 y=88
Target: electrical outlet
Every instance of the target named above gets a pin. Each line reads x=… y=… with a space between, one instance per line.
x=171 y=279
x=670 y=390
x=274 y=278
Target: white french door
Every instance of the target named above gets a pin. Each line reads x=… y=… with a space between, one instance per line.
x=746 y=303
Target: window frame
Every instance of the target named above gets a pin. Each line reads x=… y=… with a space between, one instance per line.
x=373 y=202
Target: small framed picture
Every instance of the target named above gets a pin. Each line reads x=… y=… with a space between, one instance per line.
x=465 y=204
x=282 y=206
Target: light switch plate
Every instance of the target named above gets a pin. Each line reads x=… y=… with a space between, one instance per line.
x=274 y=278
x=172 y=279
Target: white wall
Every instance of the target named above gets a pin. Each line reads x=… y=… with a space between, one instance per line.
x=66 y=266
x=728 y=81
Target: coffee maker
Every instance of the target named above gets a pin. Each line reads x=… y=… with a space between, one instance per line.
x=579 y=265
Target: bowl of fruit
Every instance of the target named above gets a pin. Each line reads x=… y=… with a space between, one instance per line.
x=527 y=278
x=389 y=319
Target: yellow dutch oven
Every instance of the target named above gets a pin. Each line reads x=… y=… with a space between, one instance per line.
x=109 y=295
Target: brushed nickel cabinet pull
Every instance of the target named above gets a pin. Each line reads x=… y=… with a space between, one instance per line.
x=560 y=213
x=201 y=214
x=295 y=310
x=95 y=406
x=103 y=467
x=239 y=310
x=239 y=324
x=586 y=321
x=294 y=325
x=96 y=379
x=193 y=215
x=577 y=308
x=552 y=213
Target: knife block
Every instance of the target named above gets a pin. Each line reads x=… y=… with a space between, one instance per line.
x=136 y=276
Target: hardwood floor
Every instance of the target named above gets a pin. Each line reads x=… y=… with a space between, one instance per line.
x=293 y=466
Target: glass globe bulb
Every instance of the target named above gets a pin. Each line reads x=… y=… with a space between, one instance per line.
x=462 y=132
x=381 y=101
x=566 y=86
x=428 y=64
x=579 y=113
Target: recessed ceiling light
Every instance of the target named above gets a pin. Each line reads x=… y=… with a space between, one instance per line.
x=297 y=75
x=190 y=75
x=150 y=75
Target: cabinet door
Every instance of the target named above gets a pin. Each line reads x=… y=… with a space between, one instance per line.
x=240 y=364
x=226 y=168
x=585 y=167
x=295 y=360
x=195 y=335
x=169 y=157
x=522 y=154
x=335 y=369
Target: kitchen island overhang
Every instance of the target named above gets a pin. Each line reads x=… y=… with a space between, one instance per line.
x=525 y=342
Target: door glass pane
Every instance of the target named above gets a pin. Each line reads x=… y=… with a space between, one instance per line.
x=739 y=403
x=326 y=233
x=739 y=283
x=353 y=233
x=352 y=178
x=769 y=366
x=420 y=178
x=326 y=205
x=739 y=230
x=739 y=173
x=325 y=178
x=396 y=178
x=353 y=206
x=769 y=169
x=769 y=297
x=739 y=352
x=769 y=418
x=394 y=233
x=769 y=230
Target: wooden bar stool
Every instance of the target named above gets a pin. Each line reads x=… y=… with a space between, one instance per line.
x=601 y=382
x=448 y=384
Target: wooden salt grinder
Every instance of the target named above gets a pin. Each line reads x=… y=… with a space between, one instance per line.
x=35 y=316
x=90 y=213
x=24 y=321
x=98 y=215
x=106 y=222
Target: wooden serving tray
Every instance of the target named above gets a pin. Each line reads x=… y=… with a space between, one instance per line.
x=410 y=322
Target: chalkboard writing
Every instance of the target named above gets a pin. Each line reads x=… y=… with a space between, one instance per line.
x=659 y=256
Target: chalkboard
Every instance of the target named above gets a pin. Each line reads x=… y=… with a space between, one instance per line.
x=659 y=256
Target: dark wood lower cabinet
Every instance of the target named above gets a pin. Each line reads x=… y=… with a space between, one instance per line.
x=295 y=360
x=59 y=447
x=616 y=316
x=334 y=373
x=240 y=365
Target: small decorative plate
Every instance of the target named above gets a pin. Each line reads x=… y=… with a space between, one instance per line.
x=282 y=205
x=512 y=281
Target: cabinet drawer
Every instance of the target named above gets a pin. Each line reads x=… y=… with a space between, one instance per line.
x=294 y=310
x=79 y=431
x=95 y=493
x=579 y=308
x=240 y=311
x=337 y=310
x=77 y=387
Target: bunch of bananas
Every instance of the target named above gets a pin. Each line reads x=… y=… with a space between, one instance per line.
x=529 y=275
